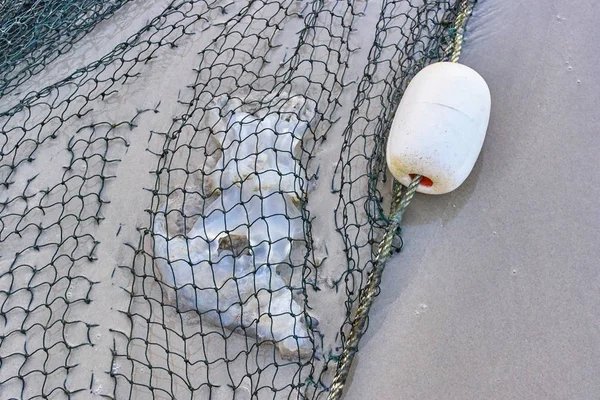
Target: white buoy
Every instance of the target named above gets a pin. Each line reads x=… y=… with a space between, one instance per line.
x=439 y=127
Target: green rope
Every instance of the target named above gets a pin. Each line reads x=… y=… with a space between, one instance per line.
x=399 y=205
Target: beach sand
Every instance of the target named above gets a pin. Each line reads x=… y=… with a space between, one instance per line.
x=494 y=295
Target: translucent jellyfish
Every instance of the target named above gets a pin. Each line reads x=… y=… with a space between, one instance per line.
x=225 y=266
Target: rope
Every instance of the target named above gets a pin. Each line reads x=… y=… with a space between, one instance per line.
x=465 y=9
x=367 y=296
x=384 y=251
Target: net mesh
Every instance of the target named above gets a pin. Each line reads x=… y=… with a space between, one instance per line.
x=33 y=33
x=168 y=211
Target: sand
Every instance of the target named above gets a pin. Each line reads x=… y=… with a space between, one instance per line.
x=495 y=293
x=93 y=316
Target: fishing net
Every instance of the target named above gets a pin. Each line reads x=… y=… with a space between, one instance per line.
x=192 y=191
x=33 y=33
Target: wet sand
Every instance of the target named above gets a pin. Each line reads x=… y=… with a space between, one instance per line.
x=496 y=293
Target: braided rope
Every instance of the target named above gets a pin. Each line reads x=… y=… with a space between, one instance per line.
x=399 y=206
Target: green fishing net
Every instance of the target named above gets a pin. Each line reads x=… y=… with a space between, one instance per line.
x=192 y=191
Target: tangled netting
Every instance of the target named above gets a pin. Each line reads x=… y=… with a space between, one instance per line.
x=162 y=205
x=33 y=33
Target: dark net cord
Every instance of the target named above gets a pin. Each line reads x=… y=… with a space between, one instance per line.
x=47 y=222
x=221 y=280
x=255 y=186
x=33 y=33
x=401 y=200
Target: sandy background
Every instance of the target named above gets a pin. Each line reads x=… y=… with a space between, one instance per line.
x=496 y=294
x=92 y=316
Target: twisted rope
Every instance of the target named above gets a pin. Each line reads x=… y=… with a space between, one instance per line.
x=466 y=8
x=384 y=251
